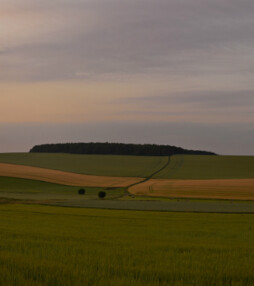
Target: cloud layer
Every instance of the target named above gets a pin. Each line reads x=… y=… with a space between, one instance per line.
x=61 y=40
x=181 y=62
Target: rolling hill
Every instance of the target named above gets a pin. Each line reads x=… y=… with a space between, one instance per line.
x=98 y=165
x=185 y=176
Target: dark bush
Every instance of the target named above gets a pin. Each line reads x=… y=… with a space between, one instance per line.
x=81 y=191
x=102 y=194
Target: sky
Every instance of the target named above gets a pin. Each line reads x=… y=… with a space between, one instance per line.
x=177 y=72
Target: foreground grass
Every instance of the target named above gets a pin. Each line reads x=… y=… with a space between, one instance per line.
x=208 y=167
x=101 y=165
x=42 y=245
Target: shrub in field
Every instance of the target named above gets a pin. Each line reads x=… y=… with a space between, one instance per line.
x=81 y=191
x=102 y=194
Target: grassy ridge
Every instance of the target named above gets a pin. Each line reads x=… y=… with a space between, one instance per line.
x=105 y=165
x=64 y=246
x=208 y=167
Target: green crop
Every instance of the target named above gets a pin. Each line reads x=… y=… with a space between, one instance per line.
x=106 y=165
x=208 y=167
x=42 y=245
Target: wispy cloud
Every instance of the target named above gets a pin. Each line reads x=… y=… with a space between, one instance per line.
x=164 y=61
x=208 y=99
x=135 y=37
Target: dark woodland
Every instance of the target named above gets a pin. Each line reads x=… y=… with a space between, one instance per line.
x=115 y=149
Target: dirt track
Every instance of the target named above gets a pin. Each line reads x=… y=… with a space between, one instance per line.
x=64 y=178
x=241 y=189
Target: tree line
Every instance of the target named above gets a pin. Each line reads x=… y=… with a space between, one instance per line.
x=115 y=149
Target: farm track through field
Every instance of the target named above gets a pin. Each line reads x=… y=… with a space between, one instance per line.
x=149 y=177
x=231 y=189
x=239 y=189
x=64 y=178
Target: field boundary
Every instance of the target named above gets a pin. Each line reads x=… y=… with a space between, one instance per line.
x=149 y=177
x=223 y=207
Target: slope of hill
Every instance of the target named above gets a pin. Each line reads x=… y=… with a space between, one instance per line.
x=99 y=165
x=193 y=167
x=217 y=177
x=65 y=178
x=186 y=176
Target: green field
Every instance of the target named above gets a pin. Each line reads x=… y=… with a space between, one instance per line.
x=180 y=167
x=208 y=167
x=107 y=165
x=30 y=191
x=37 y=190
x=42 y=245
x=50 y=245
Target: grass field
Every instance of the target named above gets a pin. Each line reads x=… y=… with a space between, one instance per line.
x=189 y=176
x=186 y=167
x=191 y=167
x=39 y=191
x=42 y=245
x=203 y=177
x=49 y=245
x=100 y=165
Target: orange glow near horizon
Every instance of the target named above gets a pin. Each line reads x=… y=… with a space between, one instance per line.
x=77 y=101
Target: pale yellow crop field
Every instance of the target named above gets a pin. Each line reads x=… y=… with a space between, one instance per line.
x=240 y=189
x=64 y=178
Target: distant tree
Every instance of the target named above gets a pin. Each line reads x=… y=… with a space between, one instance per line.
x=81 y=191
x=102 y=194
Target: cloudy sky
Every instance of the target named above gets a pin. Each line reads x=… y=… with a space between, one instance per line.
x=178 y=72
